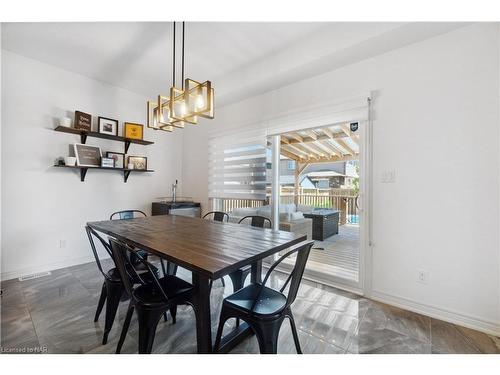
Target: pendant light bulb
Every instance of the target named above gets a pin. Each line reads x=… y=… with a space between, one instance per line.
x=200 y=101
x=182 y=108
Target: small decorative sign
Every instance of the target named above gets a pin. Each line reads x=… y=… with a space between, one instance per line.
x=83 y=121
x=87 y=156
x=133 y=131
x=107 y=162
x=353 y=126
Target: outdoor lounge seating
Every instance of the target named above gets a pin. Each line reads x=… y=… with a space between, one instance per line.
x=291 y=219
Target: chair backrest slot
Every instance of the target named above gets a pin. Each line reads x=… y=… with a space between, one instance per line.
x=91 y=233
x=217 y=216
x=257 y=221
x=302 y=249
x=122 y=253
x=127 y=214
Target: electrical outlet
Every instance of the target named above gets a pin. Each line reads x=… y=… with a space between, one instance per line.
x=422 y=276
x=62 y=244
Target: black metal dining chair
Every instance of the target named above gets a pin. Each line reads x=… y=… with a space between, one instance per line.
x=132 y=214
x=238 y=277
x=126 y=215
x=149 y=299
x=112 y=291
x=217 y=216
x=264 y=308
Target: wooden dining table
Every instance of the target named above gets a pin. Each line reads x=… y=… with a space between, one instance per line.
x=210 y=250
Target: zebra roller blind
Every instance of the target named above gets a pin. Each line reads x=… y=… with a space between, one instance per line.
x=237 y=166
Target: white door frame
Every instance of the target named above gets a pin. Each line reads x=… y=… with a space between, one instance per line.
x=364 y=284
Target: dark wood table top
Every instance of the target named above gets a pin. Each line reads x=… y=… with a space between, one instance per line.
x=211 y=248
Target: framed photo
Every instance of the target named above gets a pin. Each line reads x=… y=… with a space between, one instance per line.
x=133 y=131
x=87 y=156
x=107 y=162
x=83 y=121
x=107 y=126
x=118 y=157
x=139 y=162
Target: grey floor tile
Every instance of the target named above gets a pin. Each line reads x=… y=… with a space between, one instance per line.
x=446 y=338
x=487 y=344
x=401 y=321
x=57 y=312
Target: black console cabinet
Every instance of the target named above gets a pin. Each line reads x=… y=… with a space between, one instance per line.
x=192 y=209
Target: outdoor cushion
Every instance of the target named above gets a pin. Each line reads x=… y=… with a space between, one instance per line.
x=305 y=208
x=245 y=211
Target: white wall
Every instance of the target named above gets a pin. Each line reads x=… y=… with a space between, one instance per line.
x=436 y=123
x=41 y=204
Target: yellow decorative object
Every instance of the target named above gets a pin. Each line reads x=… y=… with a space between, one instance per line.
x=133 y=131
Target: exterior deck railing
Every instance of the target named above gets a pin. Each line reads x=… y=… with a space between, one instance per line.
x=343 y=200
x=229 y=204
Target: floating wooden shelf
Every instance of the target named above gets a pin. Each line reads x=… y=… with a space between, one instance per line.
x=84 y=134
x=83 y=170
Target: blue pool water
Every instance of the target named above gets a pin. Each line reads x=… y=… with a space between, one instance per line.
x=353 y=219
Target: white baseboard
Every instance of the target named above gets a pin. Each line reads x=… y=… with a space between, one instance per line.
x=489 y=327
x=46 y=267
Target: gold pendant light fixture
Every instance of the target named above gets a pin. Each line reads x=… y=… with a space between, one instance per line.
x=184 y=105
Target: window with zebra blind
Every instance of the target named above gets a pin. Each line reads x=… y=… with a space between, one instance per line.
x=237 y=166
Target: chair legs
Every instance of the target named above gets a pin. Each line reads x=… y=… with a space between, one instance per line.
x=126 y=324
x=173 y=312
x=100 y=305
x=114 y=292
x=267 y=334
x=148 y=320
x=266 y=331
x=294 y=332
x=218 y=337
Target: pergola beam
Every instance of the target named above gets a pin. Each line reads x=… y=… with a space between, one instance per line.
x=294 y=140
x=329 y=148
x=331 y=159
x=289 y=154
x=295 y=150
x=346 y=146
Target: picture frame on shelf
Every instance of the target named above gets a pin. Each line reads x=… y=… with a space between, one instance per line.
x=107 y=126
x=118 y=157
x=83 y=121
x=133 y=131
x=87 y=156
x=139 y=162
x=107 y=162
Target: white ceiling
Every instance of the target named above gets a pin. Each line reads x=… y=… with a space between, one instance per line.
x=241 y=59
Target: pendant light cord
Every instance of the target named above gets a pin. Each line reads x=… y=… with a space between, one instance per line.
x=173 y=61
x=183 y=31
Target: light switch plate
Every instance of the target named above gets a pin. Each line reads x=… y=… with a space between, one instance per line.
x=388 y=176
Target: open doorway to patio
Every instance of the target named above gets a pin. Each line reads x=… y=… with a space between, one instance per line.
x=320 y=177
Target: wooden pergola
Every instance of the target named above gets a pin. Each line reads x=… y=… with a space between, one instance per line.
x=335 y=143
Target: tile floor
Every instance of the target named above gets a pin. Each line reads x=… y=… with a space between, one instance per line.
x=55 y=313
